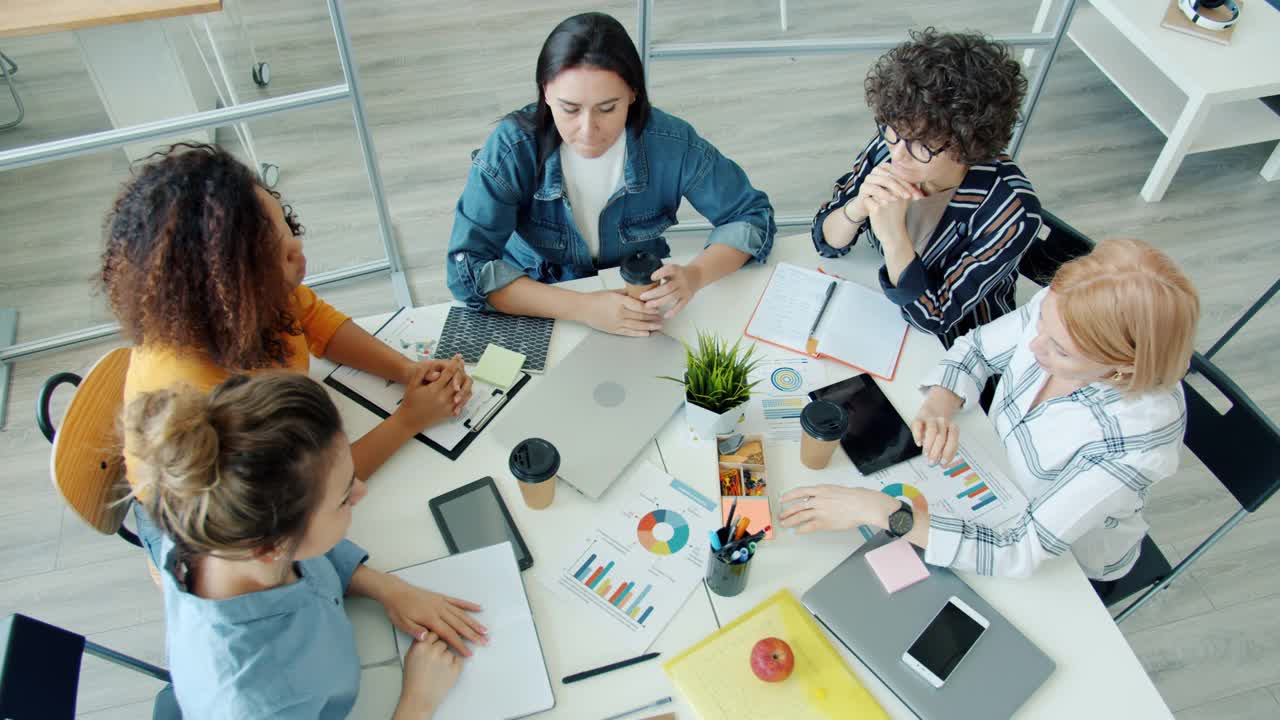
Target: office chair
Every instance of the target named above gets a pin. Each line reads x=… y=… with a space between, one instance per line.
x=1217 y=439
x=40 y=671
x=88 y=467
x=7 y=70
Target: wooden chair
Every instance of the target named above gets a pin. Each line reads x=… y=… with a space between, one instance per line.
x=87 y=465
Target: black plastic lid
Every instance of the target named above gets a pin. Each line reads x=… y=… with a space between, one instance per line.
x=638 y=268
x=824 y=420
x=534 y=460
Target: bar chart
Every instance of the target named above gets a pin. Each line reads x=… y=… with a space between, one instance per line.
x=623 y=596
x=976 y=492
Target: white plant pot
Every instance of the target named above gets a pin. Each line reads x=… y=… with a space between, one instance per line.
x=706 y=424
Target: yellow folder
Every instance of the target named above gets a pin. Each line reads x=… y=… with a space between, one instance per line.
x=715 y=675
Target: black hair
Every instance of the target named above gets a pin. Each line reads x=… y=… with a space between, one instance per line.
x=594 y=39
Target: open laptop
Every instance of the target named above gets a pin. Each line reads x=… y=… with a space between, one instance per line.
x=997 y=676
x=599 y=406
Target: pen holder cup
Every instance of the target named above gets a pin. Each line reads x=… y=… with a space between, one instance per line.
x=726 y=579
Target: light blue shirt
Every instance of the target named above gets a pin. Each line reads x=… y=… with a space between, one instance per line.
x=288 y=652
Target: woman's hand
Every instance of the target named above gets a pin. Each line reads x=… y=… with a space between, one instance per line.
x=434 y=369
x=430 y=671
x=829 y=507
x=933 y=430
x=425 y=404
x=612 y=311
x=420 y=613
x=681 y=283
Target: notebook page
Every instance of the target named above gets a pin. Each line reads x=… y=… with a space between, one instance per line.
x=513 y=658
x=789 y=306
x=862 y=328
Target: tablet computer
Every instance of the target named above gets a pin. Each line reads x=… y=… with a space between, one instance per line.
x=474 y=516
x=877 y=437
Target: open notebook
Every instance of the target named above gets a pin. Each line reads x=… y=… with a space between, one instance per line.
x=512 y=662
x=861 y=328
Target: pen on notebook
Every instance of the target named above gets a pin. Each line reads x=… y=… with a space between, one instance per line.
x=654 y=704
x=812 y=347
x=608 y=668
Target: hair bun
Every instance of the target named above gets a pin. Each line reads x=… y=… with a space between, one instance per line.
x=172 y=434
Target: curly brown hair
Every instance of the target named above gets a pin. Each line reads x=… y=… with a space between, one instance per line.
x=193 y=261
x=959 y=89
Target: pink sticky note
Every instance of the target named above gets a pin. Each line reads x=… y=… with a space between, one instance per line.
x=897 y=565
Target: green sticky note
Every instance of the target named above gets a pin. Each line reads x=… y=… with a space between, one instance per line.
x=498 y=366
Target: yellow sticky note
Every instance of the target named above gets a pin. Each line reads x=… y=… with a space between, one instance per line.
x=498 y=366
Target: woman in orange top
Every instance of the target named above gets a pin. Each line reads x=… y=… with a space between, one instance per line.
x=204 y=269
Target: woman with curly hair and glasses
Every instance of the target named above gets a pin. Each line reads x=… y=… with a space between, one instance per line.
x=933 y=190
x=204 y=270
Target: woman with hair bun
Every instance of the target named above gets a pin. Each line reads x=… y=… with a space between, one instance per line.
x=1090 y=409
x=933 y=190
x=253 y=486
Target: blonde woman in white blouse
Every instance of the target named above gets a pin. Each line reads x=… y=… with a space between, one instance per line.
x=1089 y=407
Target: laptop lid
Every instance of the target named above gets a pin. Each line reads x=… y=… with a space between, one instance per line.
x=997 y=676
x=599 y=406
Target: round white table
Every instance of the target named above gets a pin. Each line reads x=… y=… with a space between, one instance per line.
x=1097 y=673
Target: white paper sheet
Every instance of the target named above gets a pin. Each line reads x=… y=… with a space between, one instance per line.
x=512 y=662
x=789 y=306
x=635 y=569
x=864 y=328
x=781 y=394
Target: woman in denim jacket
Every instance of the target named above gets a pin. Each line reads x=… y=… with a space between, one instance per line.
x=586 y=176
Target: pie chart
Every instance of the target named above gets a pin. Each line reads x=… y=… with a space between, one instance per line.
x=908 y=492
x=667 y=524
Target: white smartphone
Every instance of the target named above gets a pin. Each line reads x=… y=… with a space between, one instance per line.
x=945 y=641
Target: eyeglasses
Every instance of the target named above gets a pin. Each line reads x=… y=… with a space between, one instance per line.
x=915 y=148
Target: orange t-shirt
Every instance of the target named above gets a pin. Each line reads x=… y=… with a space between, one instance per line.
x=154 y=368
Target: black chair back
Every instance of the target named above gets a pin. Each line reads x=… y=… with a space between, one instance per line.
x=1241 y=447
x=1043 y=258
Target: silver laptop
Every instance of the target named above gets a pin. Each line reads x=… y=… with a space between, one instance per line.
x=599 y=406
x=997 y=676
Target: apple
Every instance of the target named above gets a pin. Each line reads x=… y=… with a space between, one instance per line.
x=772 y=660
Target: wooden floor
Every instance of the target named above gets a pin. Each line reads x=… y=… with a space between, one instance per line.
x=438 y=74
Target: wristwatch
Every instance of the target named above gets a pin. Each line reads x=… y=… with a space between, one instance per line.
x=901 y=521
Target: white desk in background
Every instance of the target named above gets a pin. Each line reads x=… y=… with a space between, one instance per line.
x=1097 y=676
x=1201 y=95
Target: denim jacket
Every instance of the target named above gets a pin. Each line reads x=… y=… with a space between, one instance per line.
x=505 y=226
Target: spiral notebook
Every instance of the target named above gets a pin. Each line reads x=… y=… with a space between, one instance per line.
x=860 y=327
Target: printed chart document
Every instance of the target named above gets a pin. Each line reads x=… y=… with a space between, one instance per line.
x=962 y=488
x=635 y=569
x=449 y=437
x=782 y=392
x=512 y=663
x=860 y=328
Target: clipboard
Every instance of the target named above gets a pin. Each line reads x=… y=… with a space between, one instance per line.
x=862 y=329
x=485 y=404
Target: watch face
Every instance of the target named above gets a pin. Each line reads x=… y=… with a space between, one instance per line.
x=901 y=522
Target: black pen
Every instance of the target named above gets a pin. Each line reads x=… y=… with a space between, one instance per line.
x=608 y=668
x=813 y=342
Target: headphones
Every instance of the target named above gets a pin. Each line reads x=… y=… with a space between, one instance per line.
x=1191 y=8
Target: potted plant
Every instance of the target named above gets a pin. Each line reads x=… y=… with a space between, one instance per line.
x=717 y=385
